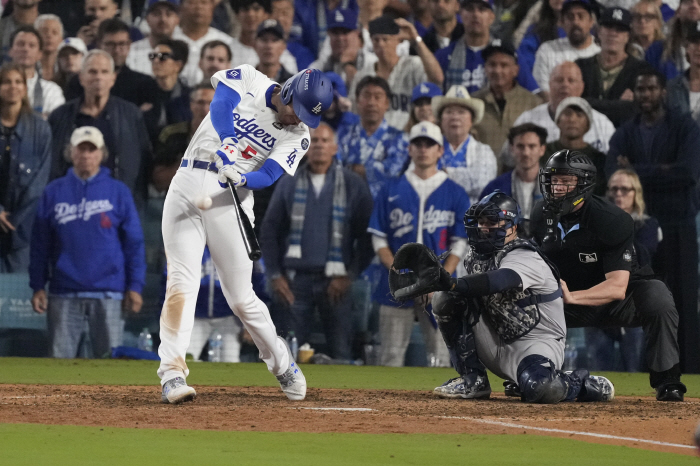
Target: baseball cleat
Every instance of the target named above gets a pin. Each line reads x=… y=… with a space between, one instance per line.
x=670 y=392
x=177 y=391
x=293 y=382
x=471 y=387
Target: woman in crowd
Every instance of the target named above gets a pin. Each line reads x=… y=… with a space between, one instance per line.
x=70 y=58
x=684 y=90
x=421 y=108
x=25 y=163
x=672 y=61
x=647 y=35
x=50 y=28
x=540 y=25
x=172 y=103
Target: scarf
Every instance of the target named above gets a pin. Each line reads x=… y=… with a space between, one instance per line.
x=334 y=262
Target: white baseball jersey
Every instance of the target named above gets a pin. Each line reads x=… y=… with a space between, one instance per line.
x=260 y=135
x=552 y=53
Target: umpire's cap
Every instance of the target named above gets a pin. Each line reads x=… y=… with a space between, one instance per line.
x=311 y=93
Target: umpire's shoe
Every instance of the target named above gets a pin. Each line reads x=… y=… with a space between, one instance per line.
x=671 y=391
x=292 y=382
x=472 y=386
x=177 y=391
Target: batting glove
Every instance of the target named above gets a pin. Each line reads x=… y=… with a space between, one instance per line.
x=227 y=152
x=228 y=173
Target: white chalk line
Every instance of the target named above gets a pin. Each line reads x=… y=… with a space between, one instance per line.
x=30 y=396
x=333 y=409
x=574 y=432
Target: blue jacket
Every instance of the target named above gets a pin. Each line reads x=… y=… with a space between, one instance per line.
x=30 y=152
x=305 y=28
x=87 y=237
x=133 y=148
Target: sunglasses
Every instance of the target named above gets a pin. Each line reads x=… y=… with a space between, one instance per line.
x=624 y=190
x=161 y=56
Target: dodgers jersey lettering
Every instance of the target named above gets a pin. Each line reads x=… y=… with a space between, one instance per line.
x=259 y=134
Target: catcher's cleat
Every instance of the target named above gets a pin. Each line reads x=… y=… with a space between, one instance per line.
x=177 y=391
x=593 y=387
x=511 y=388
x=292 y=382
x=672 y=391
x=471 y=387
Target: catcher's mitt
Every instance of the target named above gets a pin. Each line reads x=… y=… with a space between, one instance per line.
x=417 y=271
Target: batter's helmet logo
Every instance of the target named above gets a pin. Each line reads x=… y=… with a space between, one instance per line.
x=304 y=143
x=317 y=109
x=233 y=74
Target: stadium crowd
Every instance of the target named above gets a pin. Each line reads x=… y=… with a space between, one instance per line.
x=101 y=96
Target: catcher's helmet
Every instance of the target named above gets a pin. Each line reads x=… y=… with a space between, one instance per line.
x=567 y=162
x=311 y=93
x=494 y=207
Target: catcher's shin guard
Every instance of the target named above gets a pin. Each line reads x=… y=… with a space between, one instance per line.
x=451 y=314
x=540 y=381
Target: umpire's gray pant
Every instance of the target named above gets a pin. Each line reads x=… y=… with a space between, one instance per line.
x=66 y=320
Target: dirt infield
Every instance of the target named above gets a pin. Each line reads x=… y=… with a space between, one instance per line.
x=358 y=411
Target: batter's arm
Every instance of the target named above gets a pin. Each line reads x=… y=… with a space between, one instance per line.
x=225 y=100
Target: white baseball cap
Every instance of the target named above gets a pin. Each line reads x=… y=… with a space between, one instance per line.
x=75 y=43
x=87 y=134
x=426 y=129
x=575 y=102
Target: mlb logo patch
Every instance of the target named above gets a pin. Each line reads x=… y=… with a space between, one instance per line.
x=587 y=258
x=234 y=74
x=304 y=143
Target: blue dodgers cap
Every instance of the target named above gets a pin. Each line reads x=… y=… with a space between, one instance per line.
x=428 y=90
x=339 y=88
x=343 y=18
x=311 y=93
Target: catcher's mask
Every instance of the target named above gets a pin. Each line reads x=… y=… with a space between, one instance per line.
x=567 y=162
x=495 y=208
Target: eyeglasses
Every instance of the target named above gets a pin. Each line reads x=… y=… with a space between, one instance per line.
x=624 y=190
x=161 y=56
x=645 y=17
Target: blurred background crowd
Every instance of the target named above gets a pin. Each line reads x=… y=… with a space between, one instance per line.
x=93 y=91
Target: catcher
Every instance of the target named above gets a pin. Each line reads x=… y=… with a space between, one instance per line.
x=506 y=314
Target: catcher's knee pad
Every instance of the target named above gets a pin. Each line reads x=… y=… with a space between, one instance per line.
x=539 y=380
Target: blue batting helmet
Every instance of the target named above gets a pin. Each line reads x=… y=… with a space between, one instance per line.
x=311 y=93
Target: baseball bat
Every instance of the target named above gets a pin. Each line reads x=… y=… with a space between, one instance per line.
x=252 y=246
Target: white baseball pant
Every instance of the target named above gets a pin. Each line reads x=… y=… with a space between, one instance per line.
x=186 y=230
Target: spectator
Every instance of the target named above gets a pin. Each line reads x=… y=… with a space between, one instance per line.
x=25 y=163
x=347 y=56
x=121 y=123
x=467 y=161
x=528 y=143
x=212 y=315
x=50 y=29
x=609 y=76
x=311 y=19
x=172 y=101
x=269 y=46
x=422 y=206
x=672 y=61
x=684 y=90
x=137 y=88
x=565 y=81
x=162 y=19
x=339 y=114
x=504 y=99
x=541 y=23
x=92 y=258
x=461 y=61
x=573 y=119
x=97 y=11
x=402 y=73
x=283 y=11
x=325 y=250
x=647 y=30
x=421 y=105
x=577 y=21
x=371 y=147
x=24 y=13
x=174 y=139
x=664 y=149
x=25 y=51
x=420 y=15
x=70 y=57
x=215 y=56
x=445 y=29
x=195 y=19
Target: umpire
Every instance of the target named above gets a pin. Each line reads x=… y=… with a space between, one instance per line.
x=591 y=242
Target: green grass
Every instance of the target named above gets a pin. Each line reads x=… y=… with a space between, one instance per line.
x=122 y=372
x=31 y=445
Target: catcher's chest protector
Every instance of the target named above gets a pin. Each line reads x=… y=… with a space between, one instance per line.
x=512 y=313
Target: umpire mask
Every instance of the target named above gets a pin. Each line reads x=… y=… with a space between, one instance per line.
x=561 y=200
x=494 y=208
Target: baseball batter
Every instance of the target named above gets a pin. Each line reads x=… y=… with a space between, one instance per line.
x=255 y=132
